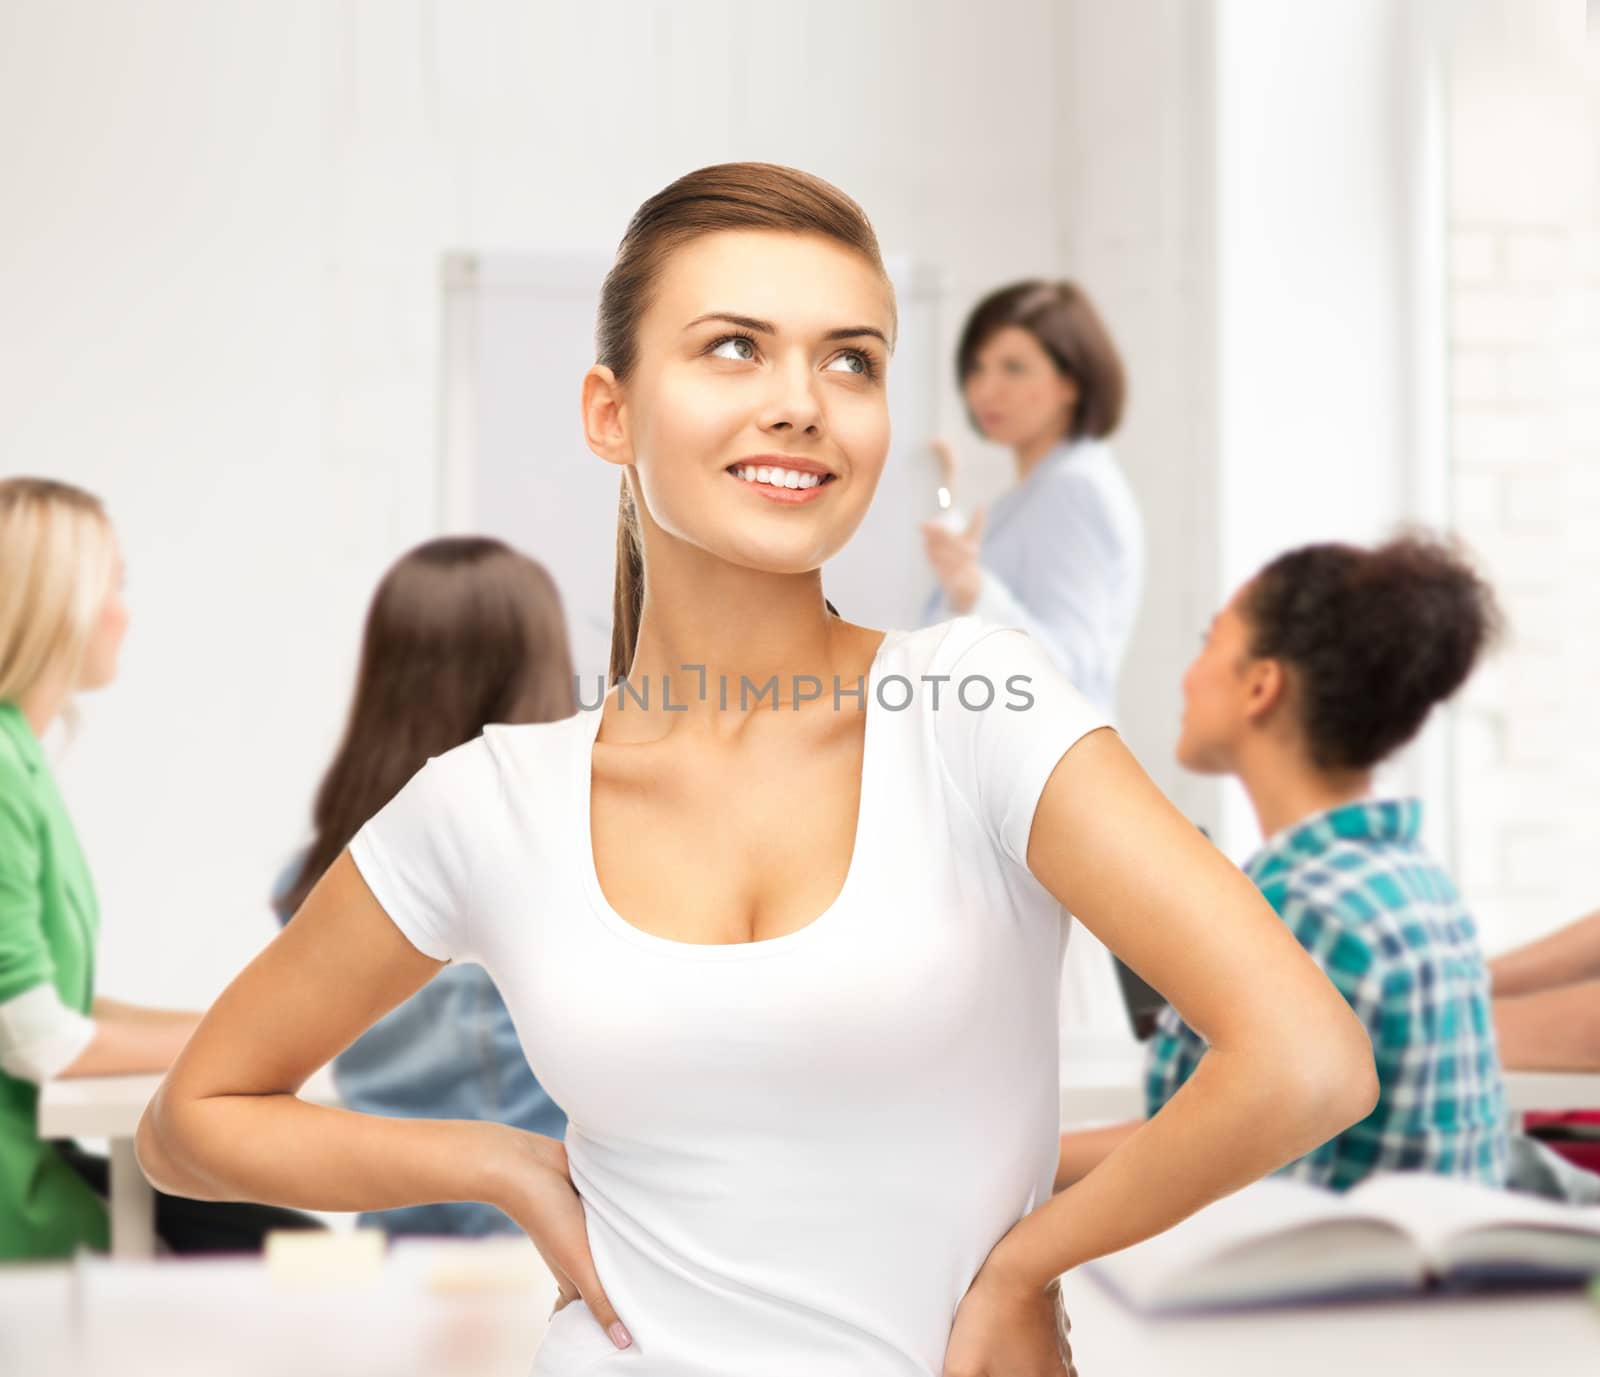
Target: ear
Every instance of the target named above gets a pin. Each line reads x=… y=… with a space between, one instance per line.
x=604 y=429
x=1266 y=686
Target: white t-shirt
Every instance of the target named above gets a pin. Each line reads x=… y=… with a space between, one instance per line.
x=795 y=1154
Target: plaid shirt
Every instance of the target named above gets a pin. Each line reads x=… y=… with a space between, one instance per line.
x=1389 y=929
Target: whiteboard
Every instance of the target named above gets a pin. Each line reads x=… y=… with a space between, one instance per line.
x=517 y=337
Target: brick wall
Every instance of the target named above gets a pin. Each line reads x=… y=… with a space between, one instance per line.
x=1524 y=264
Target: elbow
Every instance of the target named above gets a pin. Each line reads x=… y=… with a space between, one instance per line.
x=147 y=1152
x=155 y=1148
x=1339 y=1088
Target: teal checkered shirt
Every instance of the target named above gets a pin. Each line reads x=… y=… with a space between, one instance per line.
x=1388 y=927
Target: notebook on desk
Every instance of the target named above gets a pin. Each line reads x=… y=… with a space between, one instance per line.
x=1280 y=1241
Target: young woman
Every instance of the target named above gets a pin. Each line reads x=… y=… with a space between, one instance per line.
x=463 y=631
x=1062 y=553
x=1318 y=669
x=789 y=961
x=62 y=620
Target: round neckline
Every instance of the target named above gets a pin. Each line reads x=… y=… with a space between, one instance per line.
x=731 y=951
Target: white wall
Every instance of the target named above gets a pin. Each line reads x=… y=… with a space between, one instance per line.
x=1524 y=205
x=1136 y=173
x=1323 y=248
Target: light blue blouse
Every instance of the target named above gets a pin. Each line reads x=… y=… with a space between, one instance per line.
x=448 y=1052
x=1063 y=558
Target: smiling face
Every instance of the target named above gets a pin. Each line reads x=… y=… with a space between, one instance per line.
x=1016 y=393
x=760 y=351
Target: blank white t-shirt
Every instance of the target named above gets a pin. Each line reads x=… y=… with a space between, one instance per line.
x=794 y=1155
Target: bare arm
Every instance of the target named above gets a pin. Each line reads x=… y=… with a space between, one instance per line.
x=105 y=1008
x=1565 y=957
x=1550 y=1030
x=227 y=1122
x=1289 y=1064
x=132 y=1042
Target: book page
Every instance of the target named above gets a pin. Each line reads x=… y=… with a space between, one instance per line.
x=1275 y=1239
x=1436 y=1209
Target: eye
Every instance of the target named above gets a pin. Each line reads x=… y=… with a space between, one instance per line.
x=743 y=346
x=863 y=365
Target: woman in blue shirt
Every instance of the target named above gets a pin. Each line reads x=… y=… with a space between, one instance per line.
x=462 y=631
x=1062 y=553
x=1323 y=665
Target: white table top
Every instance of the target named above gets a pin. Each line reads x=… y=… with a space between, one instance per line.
x=111 y=1106
x=1554 y=1090
x=1100 y=1086
x=233 y=1317
x=1434 y=1336
x=199 y=1318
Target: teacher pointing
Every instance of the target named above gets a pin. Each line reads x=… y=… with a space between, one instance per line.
x=1061 y=554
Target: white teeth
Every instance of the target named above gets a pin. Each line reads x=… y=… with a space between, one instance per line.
x=779 y=477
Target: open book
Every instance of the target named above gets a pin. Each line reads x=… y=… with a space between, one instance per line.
x=1279 y=1240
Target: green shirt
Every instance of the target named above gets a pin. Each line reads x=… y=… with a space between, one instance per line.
x=49 y=920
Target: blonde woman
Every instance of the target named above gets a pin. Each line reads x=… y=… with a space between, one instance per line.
x=62 y=619
x=790 y=964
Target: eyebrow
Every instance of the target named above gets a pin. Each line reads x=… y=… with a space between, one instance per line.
x=766 y=327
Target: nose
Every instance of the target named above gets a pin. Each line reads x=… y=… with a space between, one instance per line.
x=793 y=406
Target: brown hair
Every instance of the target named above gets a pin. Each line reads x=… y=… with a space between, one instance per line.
x=462 y=631
x=1064 y=321
x=1374 y=638
x=726 y=196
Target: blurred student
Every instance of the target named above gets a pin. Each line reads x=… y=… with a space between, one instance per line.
x=462 y=631
x=1318 y=669
x=1060 y=554
x=62 y=619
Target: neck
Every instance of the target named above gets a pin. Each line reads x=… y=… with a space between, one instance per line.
x=41 y=705
x=702 y=611
x=1286 y=788
x=1031 y=453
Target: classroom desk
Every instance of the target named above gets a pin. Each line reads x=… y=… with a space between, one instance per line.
x=1101 y=1082
x=1554 y=1331
x=1554 y=1090
x=1107 y=1087
x=196 y=1318
x=110 y=1107
x=1099 y=1085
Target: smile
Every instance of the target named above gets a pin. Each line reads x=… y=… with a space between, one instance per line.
x=780 y=484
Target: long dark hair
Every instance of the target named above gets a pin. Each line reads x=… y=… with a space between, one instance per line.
x=1374 y=637
x=463 y=631
x=726 y=196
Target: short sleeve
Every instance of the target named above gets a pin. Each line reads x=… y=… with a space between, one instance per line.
x=25 y=959
x=416 y=852
x=1003 y=721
